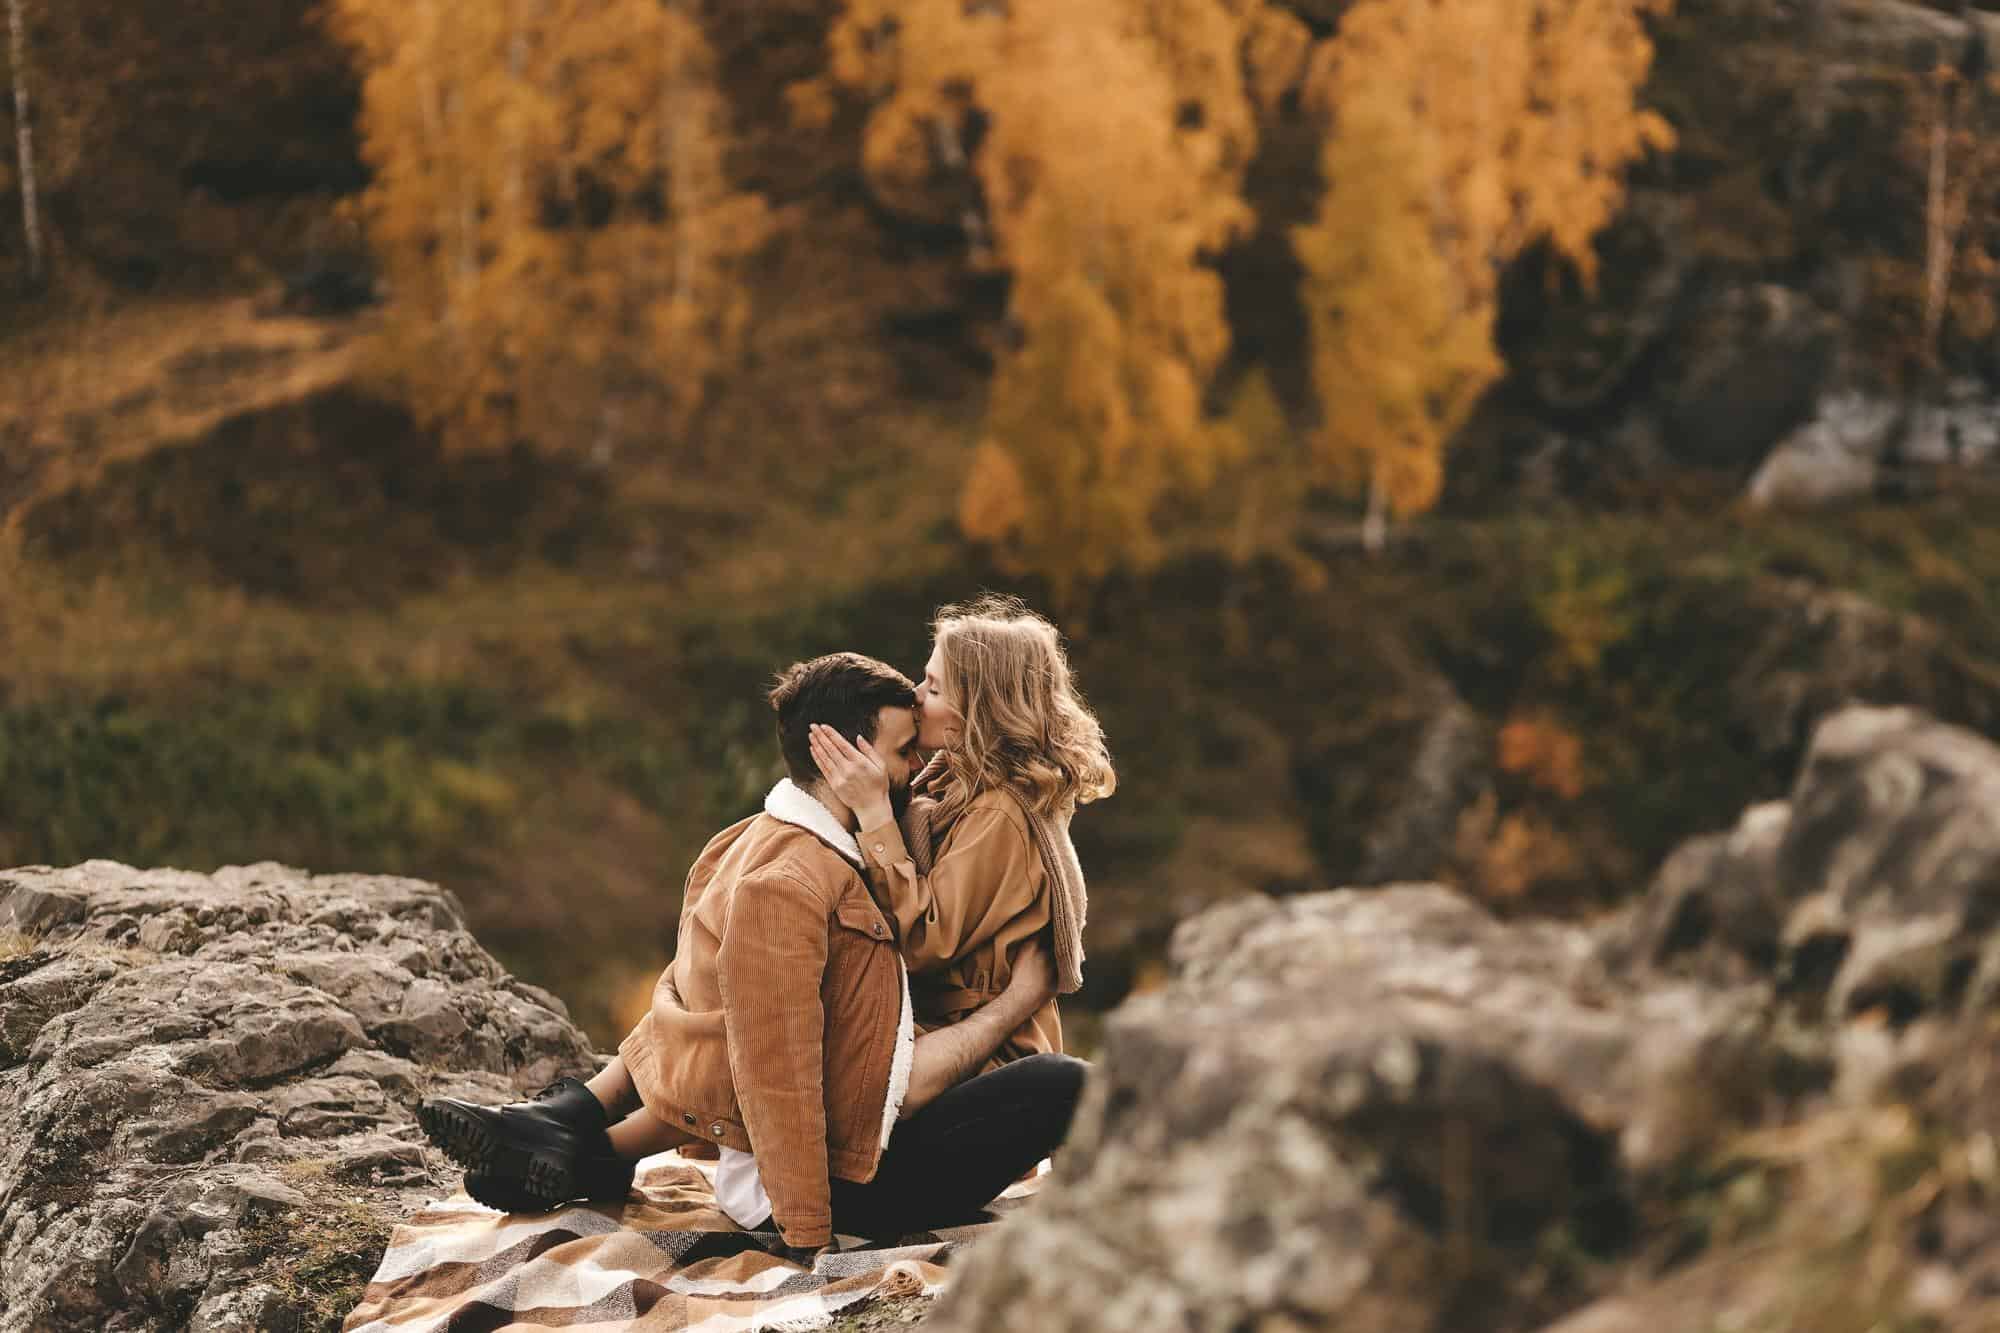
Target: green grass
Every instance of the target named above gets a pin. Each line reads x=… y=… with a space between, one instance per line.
x=319 y=1258
x=556 y=741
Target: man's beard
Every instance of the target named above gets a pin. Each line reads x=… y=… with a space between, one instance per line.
x=899 y=800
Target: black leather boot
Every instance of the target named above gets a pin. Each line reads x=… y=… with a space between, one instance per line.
x=600 y=1180
x=537 y=1147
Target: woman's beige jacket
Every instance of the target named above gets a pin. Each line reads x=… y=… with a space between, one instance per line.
x=958 y=927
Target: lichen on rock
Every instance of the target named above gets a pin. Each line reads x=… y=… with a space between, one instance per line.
x=212 y=1082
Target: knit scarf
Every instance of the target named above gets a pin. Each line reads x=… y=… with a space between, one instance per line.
x=923 y=830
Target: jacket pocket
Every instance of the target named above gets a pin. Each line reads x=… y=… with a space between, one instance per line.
x=691 y=1052
x=857 y=912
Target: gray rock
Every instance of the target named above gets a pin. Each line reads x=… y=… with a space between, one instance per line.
x=1712 y=910
x=1830 y=458
x=1359 y=1109
x=1839 y=454
x=1817 y=650
x=1386 y=1109
x=1754 y=361
x=1890 y=852
x=1868 y=889
x=202 y=1070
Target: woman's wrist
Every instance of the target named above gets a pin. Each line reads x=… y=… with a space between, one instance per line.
x=875 y=814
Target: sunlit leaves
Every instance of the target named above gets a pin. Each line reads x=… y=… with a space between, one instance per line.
x=562 y=244
x=1111 y=144
x=1459 y=132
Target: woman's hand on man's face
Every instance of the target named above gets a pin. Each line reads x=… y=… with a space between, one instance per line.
x=854 y=774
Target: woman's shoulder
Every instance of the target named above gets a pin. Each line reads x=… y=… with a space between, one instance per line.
x=995 y=805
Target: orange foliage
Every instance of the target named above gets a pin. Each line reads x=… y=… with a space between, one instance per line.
x=1115 y=137
x=1462 y=130
x=1523 y=853
x=550 y=206
x=1545 y=752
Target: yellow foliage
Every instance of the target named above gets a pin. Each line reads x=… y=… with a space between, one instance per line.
x=1110 y=167
x=1586 y=612
x=1461 y=131
x=1276 y=48
x=550 y=206
x=994 y=502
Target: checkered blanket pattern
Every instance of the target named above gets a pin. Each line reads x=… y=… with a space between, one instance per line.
x=665 y=1260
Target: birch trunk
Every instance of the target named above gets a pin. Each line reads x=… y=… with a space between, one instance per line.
x=24 y=136
x=1375 y=523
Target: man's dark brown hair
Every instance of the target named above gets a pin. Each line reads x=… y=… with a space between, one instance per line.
x=846 y=691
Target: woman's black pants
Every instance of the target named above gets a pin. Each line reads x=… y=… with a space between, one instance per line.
x=954 y=1156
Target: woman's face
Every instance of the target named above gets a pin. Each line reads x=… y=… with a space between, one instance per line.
x=939 y=725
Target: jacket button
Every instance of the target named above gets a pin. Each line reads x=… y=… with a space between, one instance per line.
x=878 y=848
x=877 y=929
x=716 y=1129
x=687 y=1117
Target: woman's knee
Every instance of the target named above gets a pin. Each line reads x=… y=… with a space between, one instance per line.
x=1057 y=1066
x=1057 y=1078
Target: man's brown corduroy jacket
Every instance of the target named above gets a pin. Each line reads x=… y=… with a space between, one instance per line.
x=775 y=1029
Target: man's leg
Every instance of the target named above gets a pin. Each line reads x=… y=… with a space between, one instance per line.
x=641 y=1134
x=957 y=1154
x=614 y=1090
x=538 y=1153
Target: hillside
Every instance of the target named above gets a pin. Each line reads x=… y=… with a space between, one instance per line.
x=254 y=607
x=304 y=636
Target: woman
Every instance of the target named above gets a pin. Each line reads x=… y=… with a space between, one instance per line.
x=982 y=860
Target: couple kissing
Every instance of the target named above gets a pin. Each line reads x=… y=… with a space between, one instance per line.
x=860 y=1020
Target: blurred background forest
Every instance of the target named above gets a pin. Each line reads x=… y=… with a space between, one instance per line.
x=1464 y=439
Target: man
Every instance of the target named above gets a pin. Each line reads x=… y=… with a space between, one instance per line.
x=782 y=1032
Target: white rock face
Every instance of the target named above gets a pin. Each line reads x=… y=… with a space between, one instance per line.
x=1838 y=455
x=1831 y=458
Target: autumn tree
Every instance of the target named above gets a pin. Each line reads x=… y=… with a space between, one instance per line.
x=562 y=243
x=1460 y=131
x=1108 y=144
x=1960 y=165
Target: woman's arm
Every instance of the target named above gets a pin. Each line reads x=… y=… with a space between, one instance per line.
x=983 y=880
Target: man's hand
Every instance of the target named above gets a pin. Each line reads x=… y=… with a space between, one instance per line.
x=950 y=1055
x=1034 y=975
x=854 y=773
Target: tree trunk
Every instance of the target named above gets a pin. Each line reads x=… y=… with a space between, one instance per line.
x=24 y=136
x=1375 y=524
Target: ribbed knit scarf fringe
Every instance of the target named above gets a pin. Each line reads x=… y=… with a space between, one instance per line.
x=1050 y=834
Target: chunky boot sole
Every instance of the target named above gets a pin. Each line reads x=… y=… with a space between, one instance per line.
x=597 y=1181
x=502 y=1192
x=543 y=1176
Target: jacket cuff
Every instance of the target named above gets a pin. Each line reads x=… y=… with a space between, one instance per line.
x=801 y=1236
x=882 y=846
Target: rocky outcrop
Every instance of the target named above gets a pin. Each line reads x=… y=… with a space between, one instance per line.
x=1857 y=444
x=1385 y=1109
x=1869 y=890
x=211 y=1083
x=1368 y=1109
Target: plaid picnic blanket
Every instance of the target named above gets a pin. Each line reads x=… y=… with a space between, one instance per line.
x=666 y=1259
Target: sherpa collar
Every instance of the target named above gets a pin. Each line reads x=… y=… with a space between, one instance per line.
x=793 y=805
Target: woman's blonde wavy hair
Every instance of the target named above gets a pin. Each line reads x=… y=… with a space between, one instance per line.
x=1024 y=726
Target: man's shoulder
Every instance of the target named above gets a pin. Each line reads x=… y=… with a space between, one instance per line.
x=770 y=847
